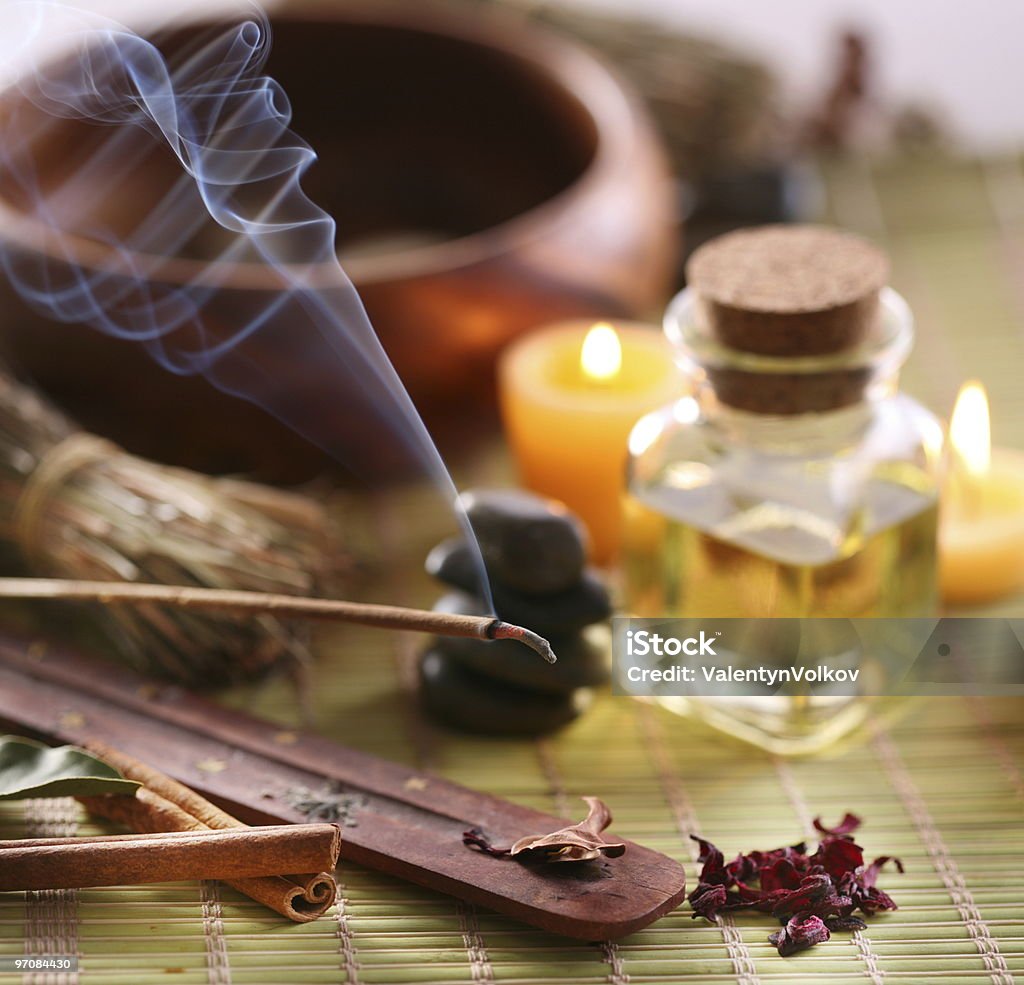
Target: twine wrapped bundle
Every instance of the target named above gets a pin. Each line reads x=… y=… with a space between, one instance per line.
x=73 y=505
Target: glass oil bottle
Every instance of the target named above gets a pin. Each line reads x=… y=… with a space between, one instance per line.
x=796 y=481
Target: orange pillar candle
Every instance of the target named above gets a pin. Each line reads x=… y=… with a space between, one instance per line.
x=981 y=536
x=570 y=394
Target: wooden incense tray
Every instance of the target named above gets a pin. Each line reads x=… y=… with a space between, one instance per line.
x=397 y=819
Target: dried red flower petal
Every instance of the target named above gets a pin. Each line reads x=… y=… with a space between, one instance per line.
x=780 y=874
x=847 y=825
x=801 y=932
x=837 y=856
x=797 y=854
x=475 y=838
x=860 y=886
x=870 y=876
x=811 y=894
x=710 y=895
x=707 y=900
x=807 y=897
x=746 y=897
x=742 y=869
x=845 y=923
x=711 y=858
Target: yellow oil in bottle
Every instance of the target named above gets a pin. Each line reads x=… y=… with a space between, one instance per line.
x=691 y=555
x=688 y=572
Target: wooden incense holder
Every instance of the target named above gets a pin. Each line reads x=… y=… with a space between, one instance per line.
x=396 y=819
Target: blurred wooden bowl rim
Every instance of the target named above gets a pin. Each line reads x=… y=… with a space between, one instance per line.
x=605 y=245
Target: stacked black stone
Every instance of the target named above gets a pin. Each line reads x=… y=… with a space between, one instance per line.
x=535 y=554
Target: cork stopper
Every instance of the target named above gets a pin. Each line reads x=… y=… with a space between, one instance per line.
x=789 y=290
x=801 y=295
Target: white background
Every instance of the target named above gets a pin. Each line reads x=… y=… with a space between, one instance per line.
x=964 y=58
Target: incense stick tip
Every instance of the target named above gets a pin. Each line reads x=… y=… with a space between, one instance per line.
x=499 y=630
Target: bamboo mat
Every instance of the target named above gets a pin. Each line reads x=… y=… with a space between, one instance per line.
x=942 y=786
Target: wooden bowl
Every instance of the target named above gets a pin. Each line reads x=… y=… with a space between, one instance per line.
x=486 y=178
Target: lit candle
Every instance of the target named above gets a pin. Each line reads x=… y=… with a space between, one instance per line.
x=570 y=394
x=982 y=530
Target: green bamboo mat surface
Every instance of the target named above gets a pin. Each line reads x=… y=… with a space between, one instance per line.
x=942 y=786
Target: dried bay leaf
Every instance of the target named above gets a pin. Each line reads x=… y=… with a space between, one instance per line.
x=574 y=843
x=31 y=769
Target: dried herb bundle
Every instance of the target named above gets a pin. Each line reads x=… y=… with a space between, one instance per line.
x=811 y=894
x=75 y=506
x=573 y=843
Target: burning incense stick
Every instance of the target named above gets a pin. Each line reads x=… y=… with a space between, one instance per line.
x=211 y=599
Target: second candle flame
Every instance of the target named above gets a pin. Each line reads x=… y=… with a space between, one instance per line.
x=601 y=355
x=970 y=430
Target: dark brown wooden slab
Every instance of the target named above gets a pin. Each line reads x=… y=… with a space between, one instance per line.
x=407 y=823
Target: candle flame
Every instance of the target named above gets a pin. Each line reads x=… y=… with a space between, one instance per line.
x=969 y=429
x=601 y=355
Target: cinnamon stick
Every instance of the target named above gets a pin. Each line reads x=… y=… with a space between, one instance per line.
x=168 y=791
x=70 y=863
x=163 y=804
